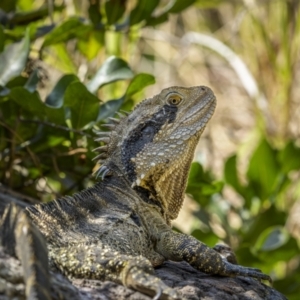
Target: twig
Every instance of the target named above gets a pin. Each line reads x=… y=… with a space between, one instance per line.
x=57 y=127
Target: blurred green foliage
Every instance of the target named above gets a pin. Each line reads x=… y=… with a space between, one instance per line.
x=263 y=240
x=46 y=130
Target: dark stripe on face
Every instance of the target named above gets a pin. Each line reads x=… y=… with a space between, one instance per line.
x=144 y=134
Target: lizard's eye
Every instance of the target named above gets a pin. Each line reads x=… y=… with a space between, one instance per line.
x=174 y=99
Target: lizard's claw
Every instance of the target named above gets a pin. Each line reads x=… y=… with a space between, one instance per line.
x=158 y=294
x=237 y=270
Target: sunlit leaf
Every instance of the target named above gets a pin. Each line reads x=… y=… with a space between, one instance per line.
x=92 y=44
x=290 y=157
x=61 y=59
x=208 y=3
x=263 y=170
x=65 y=31
x=13 y=59
x=113 y=69
x=210 y=239
x=84 y=105
x=138 y=83
x=56 y=97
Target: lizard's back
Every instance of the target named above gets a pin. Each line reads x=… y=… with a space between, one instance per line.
x=109 y=213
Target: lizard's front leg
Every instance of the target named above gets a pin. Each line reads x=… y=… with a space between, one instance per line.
x=176 y=246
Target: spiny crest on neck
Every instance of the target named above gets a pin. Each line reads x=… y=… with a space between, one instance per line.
x=108 y=138
x=111 y=138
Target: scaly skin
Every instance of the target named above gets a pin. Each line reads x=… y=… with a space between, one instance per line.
x=120 y=229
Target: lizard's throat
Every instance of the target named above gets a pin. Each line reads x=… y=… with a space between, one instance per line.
x=166 y=185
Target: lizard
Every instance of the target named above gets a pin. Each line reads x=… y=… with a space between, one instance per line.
x=120 y=229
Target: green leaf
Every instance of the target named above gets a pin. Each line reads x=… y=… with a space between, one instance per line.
x=209 y=238
x=94 y=12
x=272 y=238
x=180 y=5
x=263 y=170
x=138 y=83
x=8 y=5
x=92 y=44
x=142 y=11
x=270 y=217
x=289 y=157
x=69 y=29
x=230 y=173
x=153 y=21
x=84 y=105
x=109 y=108
x=55 y=115
x=114 y=10
x=289 y=285
x=246 y=256
x=56 y=97
x=31 y=102
x=32 y=81
x=201 y=185
x=208 y=3
x=16 y=81
x=2 y=38
x=231 y=177
x=61 y=59
x=285 y=247
x=30 y=16
x=13 y=59
x=113 y=69
x=175 y=6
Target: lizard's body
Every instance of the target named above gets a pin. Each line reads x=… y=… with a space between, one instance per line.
x=120 y=228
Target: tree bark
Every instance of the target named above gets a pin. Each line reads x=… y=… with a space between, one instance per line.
x=190 y=283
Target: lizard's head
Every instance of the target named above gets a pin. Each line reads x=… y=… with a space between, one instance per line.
x=155 y=144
